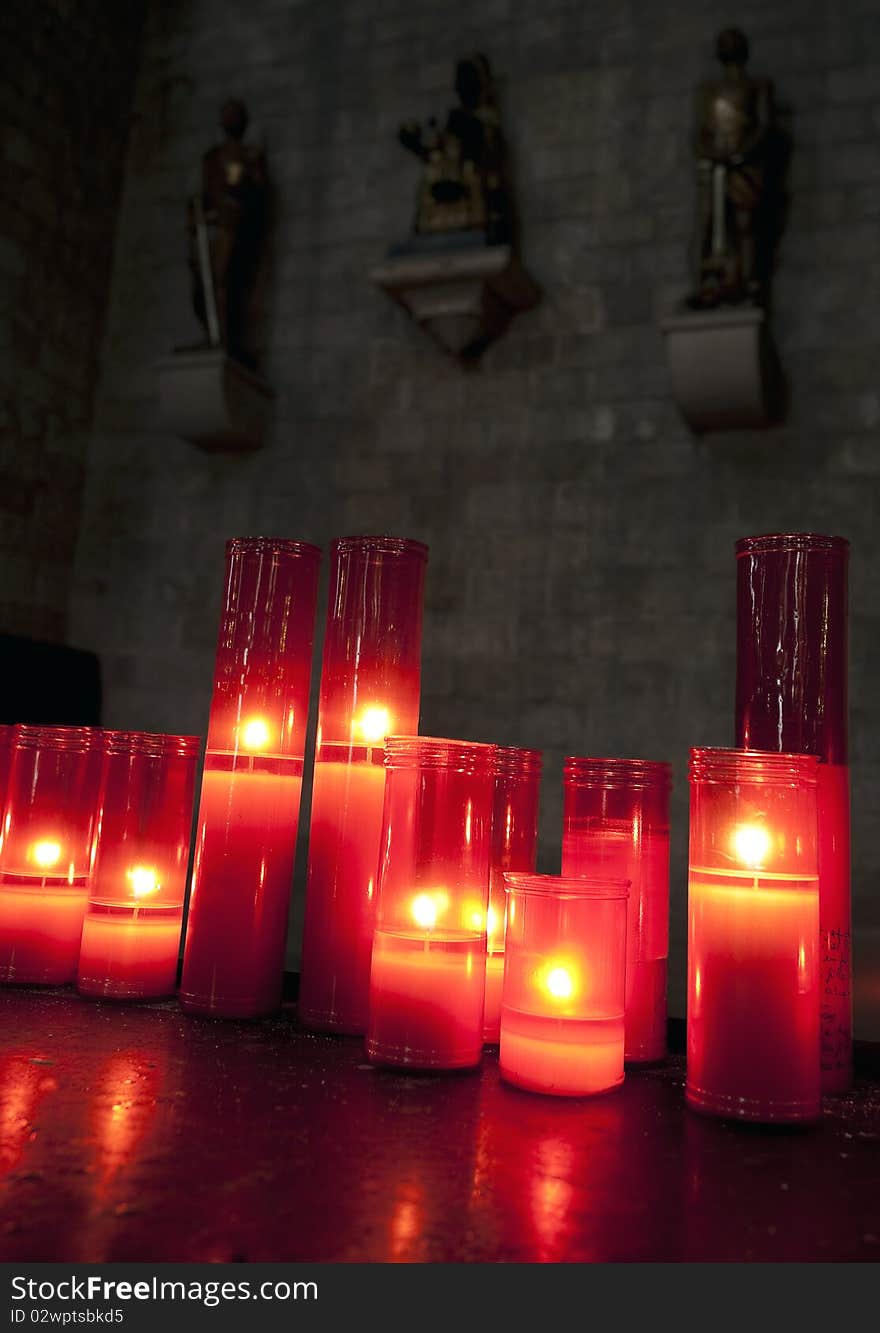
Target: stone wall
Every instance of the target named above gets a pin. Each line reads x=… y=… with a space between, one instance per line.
x=581 y=583
x=65 y=92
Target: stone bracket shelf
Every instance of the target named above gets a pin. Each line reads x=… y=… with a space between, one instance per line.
x=463 y=299
x=724 y=369
x=212 y=401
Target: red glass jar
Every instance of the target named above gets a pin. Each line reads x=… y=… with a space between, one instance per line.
x=45 y=851
x=753 y=934
x=429 y=947
x=236 y=931
x=7 y=738
x=562 y=1008
x=369 y=689
x=616 y=824
x=514 y=848
x=791 y=694
x=131 y=931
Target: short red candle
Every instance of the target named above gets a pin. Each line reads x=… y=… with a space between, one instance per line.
x=131 y=931
x=45 y=851
x=616 y=824
x=791 y=694
x=562 y=1005
x=236 y=931
x=514 y=848
x=753 y=922
x=429 y=947
x=369 y=688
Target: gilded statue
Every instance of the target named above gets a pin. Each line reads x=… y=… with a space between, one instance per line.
x=733 y=125
x=226 y=217
x=463 y=187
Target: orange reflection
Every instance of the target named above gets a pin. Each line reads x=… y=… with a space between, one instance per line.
x=123 y=1110
x=551 y=1193
x=407 y=1219
x=25 y=1079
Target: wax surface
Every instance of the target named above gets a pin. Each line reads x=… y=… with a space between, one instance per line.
x=753 y=1020
x=130 y=953
x=346 y=827
x=569 y=1057
x=426 y=999
x=40 y=928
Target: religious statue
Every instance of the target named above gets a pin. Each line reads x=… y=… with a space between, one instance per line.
x=226 y=218
x=733 y=124
x=464 y=185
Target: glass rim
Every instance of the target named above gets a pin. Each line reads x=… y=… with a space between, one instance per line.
x=567 y=886
x=602 y=771
x=36 y=736
x=151 y=742
x=517 y=761
x=439 y=752
x=272 y=546
x=780 y=542
x=722 y=765
x=381 y=544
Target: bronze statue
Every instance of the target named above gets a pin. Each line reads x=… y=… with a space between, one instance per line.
x=225 y=226
x=734 y=117
x=464 y=185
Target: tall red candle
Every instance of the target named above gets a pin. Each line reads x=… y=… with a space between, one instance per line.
x=428 y=969
x=131 y=931
x=236 y=931
x=616 y=824
x=514 y=848
x=45 y=851
x=369 y=689
x=791 y=694
x=753 y=936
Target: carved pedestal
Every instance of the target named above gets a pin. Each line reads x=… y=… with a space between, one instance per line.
x=724 y=369
x=464 y=299
x=213 y=401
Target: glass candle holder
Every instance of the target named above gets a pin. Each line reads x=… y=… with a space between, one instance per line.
x=7 y=738
x=429 y=946
x=236 y=931
x=45 y=851
x=131 y=930
x=616 y=824
x=753 y=934
x=791 y=694
x=514 y=848
x=562 y=1005
x=369 y=689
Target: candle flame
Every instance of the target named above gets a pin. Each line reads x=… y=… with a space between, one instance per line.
x=255 y=735
x=426 y=908
x=559 y=983
x=143 y=880
x=46 y=853
x=373 y=725
x=751 y=843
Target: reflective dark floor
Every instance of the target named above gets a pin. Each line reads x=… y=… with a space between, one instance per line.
x=140 y=1134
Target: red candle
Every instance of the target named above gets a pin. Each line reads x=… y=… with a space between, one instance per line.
x=429 y=947
x=514 y=848
x=236 y=931
x=616 y=824
x=45 y=851
x=131 y=931
x=791 y=694
x=7 y=737
x=562 y=1007
x=753 y=906
x=369 y=688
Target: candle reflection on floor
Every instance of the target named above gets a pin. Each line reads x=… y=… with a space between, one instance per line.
x=25 y=1080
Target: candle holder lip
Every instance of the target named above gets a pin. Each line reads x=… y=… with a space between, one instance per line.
x=516 y=761
x=778 y=542
x=151 y=743
x=566 y=886
x=439 y=752
x=720 y=764
x=28 y=736
x=272 y=546
x=591 y=771
x=379 y=544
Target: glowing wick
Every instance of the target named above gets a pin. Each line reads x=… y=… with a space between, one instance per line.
x=143 y=881
x=424 y=909
x=255 y=735
x=46 y=854
x=559 y=983
x=373 y=725
x=751 y=843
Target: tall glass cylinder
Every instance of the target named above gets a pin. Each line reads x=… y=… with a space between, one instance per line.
x=753 y=936
x=791 y=694
x=562 y=1007
x=131 y=931
x=236 y=931
x=514 y=848
x=7 y=738
x=46 y=850
x=616 y=824
x=369 y=689
x=429 y=946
